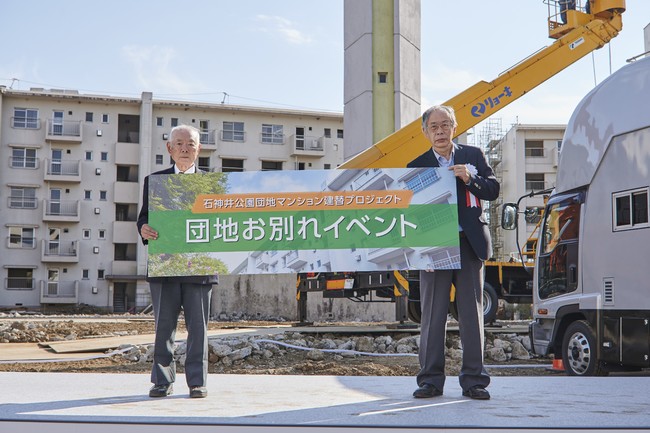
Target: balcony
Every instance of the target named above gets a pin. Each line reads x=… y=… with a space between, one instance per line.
x=59 y=252
x=64 y=131
x=302 y=145
x=262 y=262
x=62 y=171
x=372 y=179
x=127 y=153
x=126 y=192
x=125 y=232
x=385 y=255
x=61 y=210
x=124 y=267
x=294 y=261
x=59 y=292
x=209 y=139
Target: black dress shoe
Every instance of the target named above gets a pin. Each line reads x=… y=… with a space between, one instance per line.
x=477 y=392
x=198 y=392
x=426 y=390
x=161 y=390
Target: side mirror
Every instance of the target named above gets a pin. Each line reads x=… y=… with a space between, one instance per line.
x=532 y=215
x=509 y=216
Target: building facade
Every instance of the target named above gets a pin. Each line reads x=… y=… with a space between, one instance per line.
x=524 y=160
x=71 y=190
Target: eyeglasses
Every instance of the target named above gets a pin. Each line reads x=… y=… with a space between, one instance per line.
x=445 y=126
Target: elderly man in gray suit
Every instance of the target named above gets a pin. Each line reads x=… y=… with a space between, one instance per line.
x=170 y=294
x=475 y=181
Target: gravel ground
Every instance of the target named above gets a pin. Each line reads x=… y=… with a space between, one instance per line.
x=38 y=329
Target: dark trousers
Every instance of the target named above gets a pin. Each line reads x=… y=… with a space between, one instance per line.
x=168 y=298
x=434 y=300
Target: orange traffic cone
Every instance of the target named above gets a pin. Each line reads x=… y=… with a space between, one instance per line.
x=557 y=365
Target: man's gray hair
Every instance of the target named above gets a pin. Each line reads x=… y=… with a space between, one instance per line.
x=445 y=109
x=194 y=133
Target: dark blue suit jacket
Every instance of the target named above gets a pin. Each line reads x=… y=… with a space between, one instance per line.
x=483 y=185
x=143 y=218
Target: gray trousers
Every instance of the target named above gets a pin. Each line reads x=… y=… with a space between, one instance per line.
x=167 y=299
x=434 y=300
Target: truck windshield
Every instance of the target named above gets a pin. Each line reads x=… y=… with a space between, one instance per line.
x=558 y=260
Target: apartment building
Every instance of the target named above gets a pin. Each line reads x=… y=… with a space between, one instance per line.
x=72 y=184
x=524 y=160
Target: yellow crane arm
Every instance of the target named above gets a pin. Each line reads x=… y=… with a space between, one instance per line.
x=477 y=103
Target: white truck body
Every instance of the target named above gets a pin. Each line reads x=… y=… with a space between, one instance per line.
x=591 y=291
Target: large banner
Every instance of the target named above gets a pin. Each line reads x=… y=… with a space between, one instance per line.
x=303 y=221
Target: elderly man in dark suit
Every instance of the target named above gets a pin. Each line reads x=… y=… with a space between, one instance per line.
x=170 y=294
x=475 y=181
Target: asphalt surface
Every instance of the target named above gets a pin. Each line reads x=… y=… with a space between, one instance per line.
x=319 y=404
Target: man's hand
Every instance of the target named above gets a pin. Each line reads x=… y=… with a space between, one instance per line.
x=148 y=233
x=462 y=172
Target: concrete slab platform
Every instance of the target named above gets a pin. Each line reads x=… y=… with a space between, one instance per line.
x=321 y=403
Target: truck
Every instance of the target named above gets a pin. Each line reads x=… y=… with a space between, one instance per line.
x=577 y=32
x=591 y=283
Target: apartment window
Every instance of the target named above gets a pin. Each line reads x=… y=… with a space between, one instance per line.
x=327 y=133
x=125 y=212
x=20 y=279
x=23 y=157
x=102 y=195
x=21 y=237
x=127 y=173
x=383 y=77
x=232 y=165
x=159 y=121
x=104 y=156
x=25 y=118
x=87 y=194
x=271 y=165
x=204 y=163
x=89 y=155
x=422 y=179
x=534 y=148
x=535 y=181
x=630 y=209
x=339 y=133
x=22 y=198
x=174 y=121
x=327 y=166
x=100 y=274
x=89 y=117
x=233 y=131
x=272 y=134
x=85 y=274
x=105 y=118
x=159 y=159
x=85 y=233
x=125 y=252
x=101 y=234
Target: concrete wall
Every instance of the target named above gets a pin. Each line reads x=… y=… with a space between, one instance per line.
x=273 y=296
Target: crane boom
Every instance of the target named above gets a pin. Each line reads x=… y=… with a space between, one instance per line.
x=582 y=34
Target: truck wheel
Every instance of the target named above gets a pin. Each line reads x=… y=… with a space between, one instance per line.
x=490 y=305
x=413 y=309
x=579 y=351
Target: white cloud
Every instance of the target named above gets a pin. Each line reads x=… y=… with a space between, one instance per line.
x=284 y=27
x=154 y=67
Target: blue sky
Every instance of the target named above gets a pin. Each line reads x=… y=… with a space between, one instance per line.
x=285 y=53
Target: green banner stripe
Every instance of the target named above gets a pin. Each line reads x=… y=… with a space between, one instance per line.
x=430 y=225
